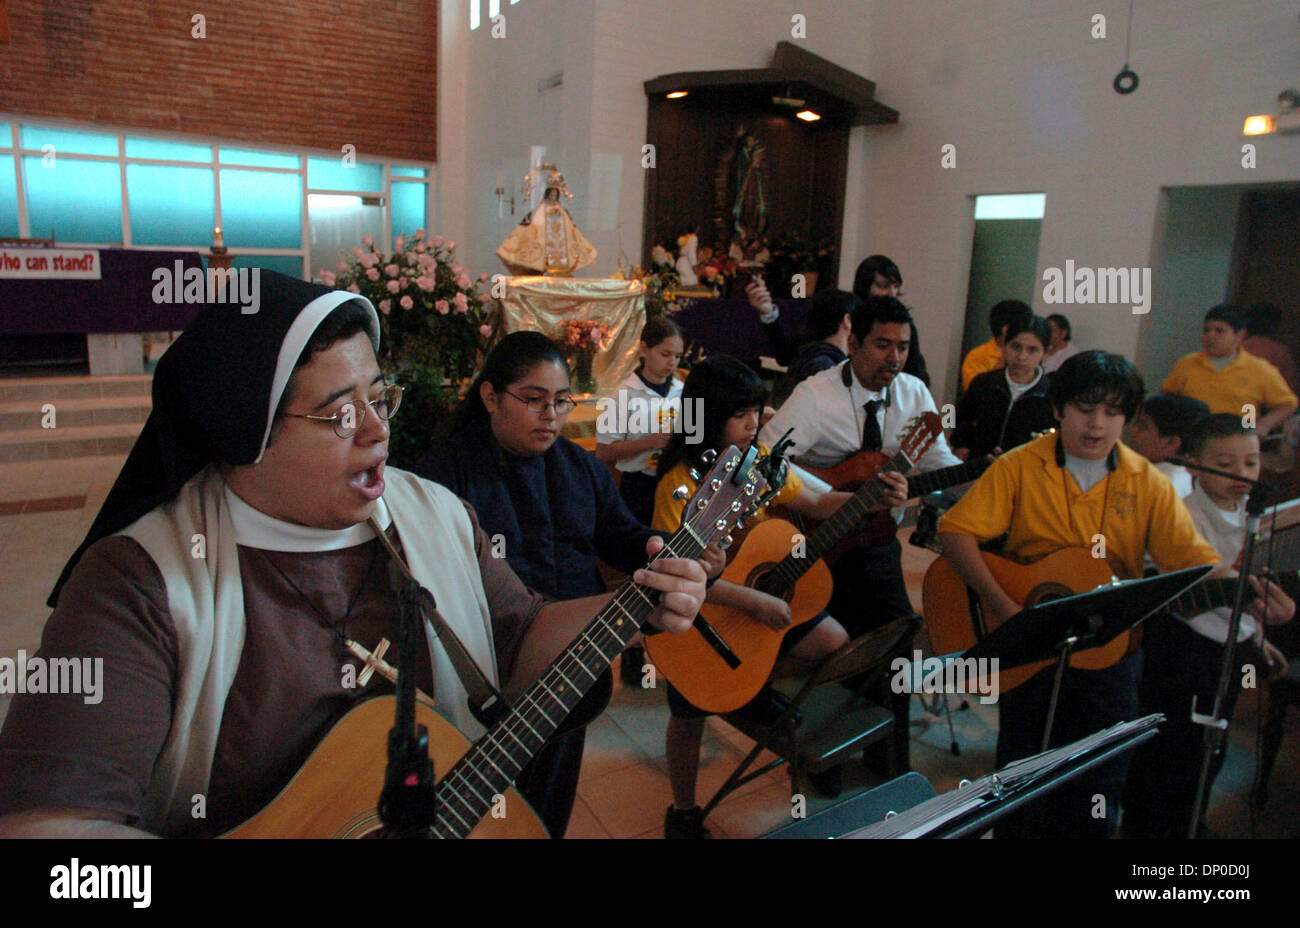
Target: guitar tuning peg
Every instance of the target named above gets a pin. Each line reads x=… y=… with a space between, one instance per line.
x=724 y=542
x=709 y=456
x=682 y=492
x=694 y=474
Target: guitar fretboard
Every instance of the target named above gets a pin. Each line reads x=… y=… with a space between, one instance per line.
x=467 y=793
x=827 y=535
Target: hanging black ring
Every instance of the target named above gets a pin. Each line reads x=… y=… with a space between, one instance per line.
x=1126 y=81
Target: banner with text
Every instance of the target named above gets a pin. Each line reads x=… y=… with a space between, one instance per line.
x=50 y=263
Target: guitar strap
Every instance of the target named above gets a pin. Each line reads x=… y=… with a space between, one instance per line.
x=485 y=701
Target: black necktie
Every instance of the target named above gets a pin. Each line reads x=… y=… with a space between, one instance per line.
x=871 y=440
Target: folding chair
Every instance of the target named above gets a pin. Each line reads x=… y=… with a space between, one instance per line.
x=836 y=721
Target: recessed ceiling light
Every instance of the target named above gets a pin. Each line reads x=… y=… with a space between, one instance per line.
x=677 y=94
x=808 y=115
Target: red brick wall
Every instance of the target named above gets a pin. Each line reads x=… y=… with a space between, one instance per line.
x=314 y=73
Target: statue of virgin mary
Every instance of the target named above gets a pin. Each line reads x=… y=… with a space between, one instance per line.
x=547 y=241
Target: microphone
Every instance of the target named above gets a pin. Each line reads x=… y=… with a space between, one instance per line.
x=1181 y=462
x=1256 y=503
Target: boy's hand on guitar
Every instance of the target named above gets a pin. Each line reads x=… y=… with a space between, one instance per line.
x=680 y=581
x=1271 y=603
x=1003 y=607
x=1275 y=660
x=895 y=489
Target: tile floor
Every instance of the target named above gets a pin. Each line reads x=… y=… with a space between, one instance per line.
x=623 y=789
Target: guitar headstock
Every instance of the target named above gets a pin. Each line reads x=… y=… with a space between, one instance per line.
x=919 y=433
x=724 y=495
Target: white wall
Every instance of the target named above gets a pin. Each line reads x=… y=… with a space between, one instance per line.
x=1018 y=86
x=1193 y=263
x=1024 y=93
x=595 y=124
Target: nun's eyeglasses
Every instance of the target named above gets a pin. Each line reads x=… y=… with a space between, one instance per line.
x=350 y=419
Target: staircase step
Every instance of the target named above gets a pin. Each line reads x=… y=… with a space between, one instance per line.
x=68 y=442
x=114 y=410
x=53 y=389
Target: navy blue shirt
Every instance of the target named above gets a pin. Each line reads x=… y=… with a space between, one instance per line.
x=556 y=513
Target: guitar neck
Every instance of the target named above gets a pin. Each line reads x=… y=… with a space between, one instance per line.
x=935 y=480
x=827 y=535
x=1206 y=595
x=466 y=793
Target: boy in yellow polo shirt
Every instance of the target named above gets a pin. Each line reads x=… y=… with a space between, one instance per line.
x=1228 y=378
x=1060 y=491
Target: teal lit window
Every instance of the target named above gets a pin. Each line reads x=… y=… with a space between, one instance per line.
x=79 y=201
x=166 y=150
x=6 y=137
x=170 y=205
x=290 y=265
x=69 y=141
x=408 y=208
x=261 y=209
x=257 y=159
x=401 y=170
x=8 y=198
x=332 y=174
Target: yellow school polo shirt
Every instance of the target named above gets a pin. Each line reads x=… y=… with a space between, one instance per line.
x=1247 y=379
x=1026 y=493
x=668 y=511
x=985 y=357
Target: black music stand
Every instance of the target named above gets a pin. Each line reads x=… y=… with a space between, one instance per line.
x=1056 y=629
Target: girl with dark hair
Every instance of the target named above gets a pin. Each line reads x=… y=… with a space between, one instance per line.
x=1004 y=408
x=551 y=506
x=730 y=395
x=635 y=426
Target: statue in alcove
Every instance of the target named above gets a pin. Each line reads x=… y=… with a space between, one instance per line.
x=546 y=241
x=741 y=183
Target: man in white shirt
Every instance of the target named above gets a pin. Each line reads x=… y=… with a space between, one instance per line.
x=863 y=404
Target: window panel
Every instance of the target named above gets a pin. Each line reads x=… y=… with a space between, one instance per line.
x=408 y=208
x=401 y=170
x=69 y=141
x=170 y=205
x=260 y=209
x=8 y=197
x=257 y=159
x=80 y=201
x=331 y=174
x=167 y=150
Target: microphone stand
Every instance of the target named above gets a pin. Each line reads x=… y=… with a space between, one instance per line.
x=408 y=803
x=1216 y=728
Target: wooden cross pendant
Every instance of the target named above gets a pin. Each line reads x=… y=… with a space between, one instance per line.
x=373 y=662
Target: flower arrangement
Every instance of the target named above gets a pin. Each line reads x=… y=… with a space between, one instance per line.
x=719 y=272
x=581 y=339
x=434 y=323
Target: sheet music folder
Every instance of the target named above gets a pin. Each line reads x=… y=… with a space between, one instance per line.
x=1095 y=618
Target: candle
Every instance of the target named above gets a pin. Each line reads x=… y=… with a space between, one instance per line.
x=217 y=240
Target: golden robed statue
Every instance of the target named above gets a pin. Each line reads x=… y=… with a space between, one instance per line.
x=546 y=241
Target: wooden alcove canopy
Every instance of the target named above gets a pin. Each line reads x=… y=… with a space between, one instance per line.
x=806 y=162
x=834 y=92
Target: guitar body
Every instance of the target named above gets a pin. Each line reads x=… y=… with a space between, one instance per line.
x=697 y=670
x=952 y=626
x=334 y=794
x=879 y=528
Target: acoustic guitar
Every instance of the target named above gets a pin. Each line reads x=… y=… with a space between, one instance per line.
x=956 y=617
x=722 y=663
x=334 y=794
x=879 y=527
